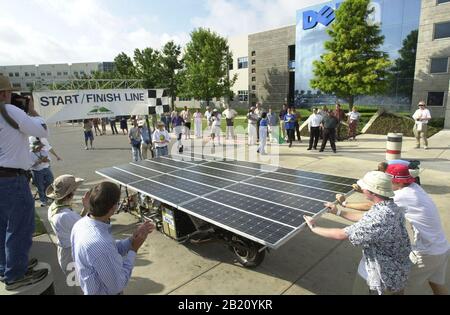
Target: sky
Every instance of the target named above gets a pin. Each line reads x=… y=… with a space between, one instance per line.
x=69 y=31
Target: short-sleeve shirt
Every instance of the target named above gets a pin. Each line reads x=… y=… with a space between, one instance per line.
x=386 y=246
x=354 y=116
x=423 y=114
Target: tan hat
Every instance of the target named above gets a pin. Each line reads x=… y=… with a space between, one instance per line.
x=422 y=103
x=63 y=186
x=141 y=123
x=5 y=84
x=379 y=183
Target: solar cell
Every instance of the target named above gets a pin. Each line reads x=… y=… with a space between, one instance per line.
x=219 y=173
x=191 y=187
x=262 y=204
x=290 y=200
x=119 y=176
x=234 y=168
x=162 y=193
x=261 y=208
x=156 y=166
x=204 y=179
x=323 y=177
x=255 y=228
x=337 y=188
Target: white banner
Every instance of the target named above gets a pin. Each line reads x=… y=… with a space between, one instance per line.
x=56 y=106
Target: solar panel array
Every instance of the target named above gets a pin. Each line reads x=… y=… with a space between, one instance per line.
x=261 y=204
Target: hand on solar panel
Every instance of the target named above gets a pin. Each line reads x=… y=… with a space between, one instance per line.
x=332 y=208
x=340 y=198
x=357 y=188
x=141 y=234
x=310 y=221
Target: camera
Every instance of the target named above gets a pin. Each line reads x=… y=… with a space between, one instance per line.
x=21 y=102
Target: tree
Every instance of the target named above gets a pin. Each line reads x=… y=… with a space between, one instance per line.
x=148 y=67
x=353 y=64
x=207 y=61
x=403 y=71
x=124 y=67
x=171 y=63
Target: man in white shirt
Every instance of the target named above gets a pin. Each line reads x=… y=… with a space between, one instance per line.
x=230 y=114
x=161 y=139
x=314 y=122
x=430 y=248
x=16 y=202
x=422 y=117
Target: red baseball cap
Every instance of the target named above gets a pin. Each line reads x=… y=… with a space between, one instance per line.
x=400 y=174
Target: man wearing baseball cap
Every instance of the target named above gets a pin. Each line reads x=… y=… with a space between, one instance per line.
x=382 y=234
x=422 y=116
x=431 y=248
x=16 y=200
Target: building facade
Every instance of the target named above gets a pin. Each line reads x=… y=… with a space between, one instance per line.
x=24 y=77
x=433 y=58
x=271 y=72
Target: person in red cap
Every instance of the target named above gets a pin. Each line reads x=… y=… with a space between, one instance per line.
x=430 y=249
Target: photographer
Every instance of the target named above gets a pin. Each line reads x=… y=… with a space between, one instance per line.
x=16 y=201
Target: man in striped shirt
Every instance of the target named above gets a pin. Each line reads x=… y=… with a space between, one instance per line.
x=103 y=265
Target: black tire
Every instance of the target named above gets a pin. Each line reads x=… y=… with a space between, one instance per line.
x=248 y=253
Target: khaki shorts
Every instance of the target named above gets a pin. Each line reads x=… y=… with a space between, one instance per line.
x=428 y=268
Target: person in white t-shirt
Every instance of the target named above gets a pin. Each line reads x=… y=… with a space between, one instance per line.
x=422 y=117
x=198 y=124
x=208 y=116
x=42 y=174
x=161 y=139
x=62 y=217
x=47 y=146
x=17 y=206
x=215 y=127
x=230 y=114
x=430 y=247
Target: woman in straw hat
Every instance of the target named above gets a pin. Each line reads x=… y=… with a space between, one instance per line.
x=382 y=234
x=61 y=216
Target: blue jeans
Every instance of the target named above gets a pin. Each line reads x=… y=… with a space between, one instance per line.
x=16 y=226
x=42 y=179
x=164 y=151
x=136 y=154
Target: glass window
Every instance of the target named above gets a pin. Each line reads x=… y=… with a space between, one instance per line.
x=253 y=70
x=243 y=63
x=243 y=96
x=442 y=30
x=442 y=1
x=439 y=65
x=59 y=74
x=76 y=73
x=17 y=74
x=11 y=74
x=27 y=74
x=253 y=53
x=253 y=79
x=253 y=87
x=33 y=74
x=42 y=74
x=16 y=85
x=49 y=74
x=436 y=98
x=253 y=62
x=66 y=73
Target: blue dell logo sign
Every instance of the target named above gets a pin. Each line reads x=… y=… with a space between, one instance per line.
x=325 y=17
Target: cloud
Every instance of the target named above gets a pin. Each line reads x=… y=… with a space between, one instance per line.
x=237 y=17
x=60 y=31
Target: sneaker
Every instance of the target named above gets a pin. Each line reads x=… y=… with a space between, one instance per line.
x=309 y=149
x=43 y=204
x=86 y=148
x=426 y=148
x=321 y=151
x=30 y=278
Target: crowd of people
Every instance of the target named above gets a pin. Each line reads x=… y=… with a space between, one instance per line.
x=103 y=266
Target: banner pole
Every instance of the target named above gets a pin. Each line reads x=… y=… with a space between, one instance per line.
x=150 y=136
